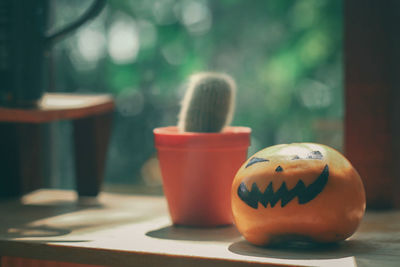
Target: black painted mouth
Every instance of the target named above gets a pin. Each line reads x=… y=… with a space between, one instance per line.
x=304 y=193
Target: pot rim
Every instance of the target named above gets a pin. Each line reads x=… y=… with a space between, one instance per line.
x=231 y=137
x=228 y=130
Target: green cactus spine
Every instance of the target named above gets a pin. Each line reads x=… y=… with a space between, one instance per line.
x=208 y=103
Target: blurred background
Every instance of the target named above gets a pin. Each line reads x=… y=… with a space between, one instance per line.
x=285 y=55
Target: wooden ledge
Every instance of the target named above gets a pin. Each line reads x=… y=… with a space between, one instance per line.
x=55 y=106
x=133 y=230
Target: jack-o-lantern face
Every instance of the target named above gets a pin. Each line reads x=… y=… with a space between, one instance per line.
x=298 y=190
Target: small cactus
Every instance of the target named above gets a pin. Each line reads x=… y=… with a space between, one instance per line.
x=208 y=103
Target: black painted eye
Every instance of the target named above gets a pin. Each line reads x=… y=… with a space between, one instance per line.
x=279 y=169
x=255 y=160
x=315 y=155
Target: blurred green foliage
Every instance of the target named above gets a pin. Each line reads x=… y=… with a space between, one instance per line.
x=285 y=56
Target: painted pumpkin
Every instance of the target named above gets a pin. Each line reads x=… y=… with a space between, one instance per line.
x=297 y=192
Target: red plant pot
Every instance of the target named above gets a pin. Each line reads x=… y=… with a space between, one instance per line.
x=198 y=170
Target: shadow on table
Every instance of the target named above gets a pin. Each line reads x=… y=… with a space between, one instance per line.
x=49 y=221
x=221 y=234
x=304 y=250
x=18 y=219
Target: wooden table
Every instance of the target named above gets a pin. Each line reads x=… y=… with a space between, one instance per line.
x=56 y=106
x=23 y=138
x=133 y=230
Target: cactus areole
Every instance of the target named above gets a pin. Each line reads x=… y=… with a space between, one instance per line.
x=297 y=192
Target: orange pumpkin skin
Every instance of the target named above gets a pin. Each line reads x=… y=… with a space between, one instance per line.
x=333 y=197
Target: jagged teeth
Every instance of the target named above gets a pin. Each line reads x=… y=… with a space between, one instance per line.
x=301 y=191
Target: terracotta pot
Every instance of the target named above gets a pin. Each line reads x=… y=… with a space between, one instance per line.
x=198 y=170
